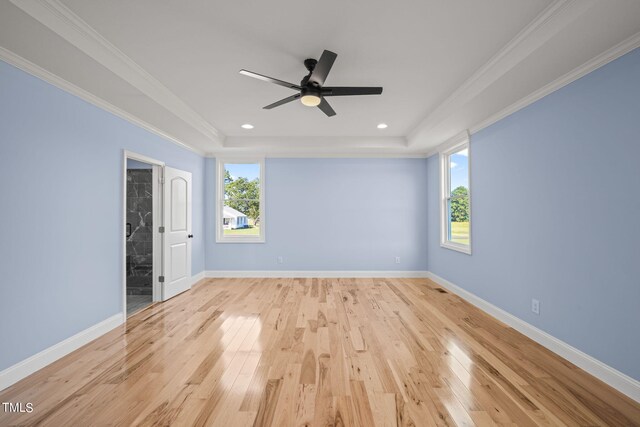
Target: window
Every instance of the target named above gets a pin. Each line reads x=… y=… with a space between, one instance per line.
x=456 y=198
x=240 y=201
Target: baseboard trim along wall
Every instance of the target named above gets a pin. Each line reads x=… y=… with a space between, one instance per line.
x=196 y=278
x=312 y=273
x=616 y=379
x=23 y=369
x=605 y=373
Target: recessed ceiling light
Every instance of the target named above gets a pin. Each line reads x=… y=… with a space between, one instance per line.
x=382 y=126
x=247 y=126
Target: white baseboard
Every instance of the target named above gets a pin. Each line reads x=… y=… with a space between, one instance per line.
x=312 y=273
x=598 y=369
x=195 y=279
x=23 y=369
x=616 y=379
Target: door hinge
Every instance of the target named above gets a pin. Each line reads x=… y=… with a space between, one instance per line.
x=160 y=229
x=161 y=279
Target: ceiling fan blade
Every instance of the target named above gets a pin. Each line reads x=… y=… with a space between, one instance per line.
x=347 y=91
x=326 y=108
x=322 y=68
x=270 y=79
x=282 y=101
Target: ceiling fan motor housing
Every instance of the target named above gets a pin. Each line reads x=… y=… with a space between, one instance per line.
x=312 y=89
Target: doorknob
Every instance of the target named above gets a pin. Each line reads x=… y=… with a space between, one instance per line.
x=190 y=236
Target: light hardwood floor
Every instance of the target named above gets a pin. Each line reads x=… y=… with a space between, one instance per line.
x=326 y=352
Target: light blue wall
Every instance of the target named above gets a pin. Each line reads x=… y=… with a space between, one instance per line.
x=332 y=214
x=61 y=217
x=556 y=215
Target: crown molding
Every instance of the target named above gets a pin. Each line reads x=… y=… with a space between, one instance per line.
x=560 y=13
x=593 y=64
x=321 y=142
x=464 y=136
x=330 y=154
x=319 y=146
x=39 y=72
x=62 y=21
x=604 y=58
x=547 y=24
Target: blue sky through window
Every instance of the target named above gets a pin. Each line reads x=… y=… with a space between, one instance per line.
x=249 y=171
x=459 y=164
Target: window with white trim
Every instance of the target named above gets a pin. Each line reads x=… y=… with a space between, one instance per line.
x=455 y=204
x=240 y=201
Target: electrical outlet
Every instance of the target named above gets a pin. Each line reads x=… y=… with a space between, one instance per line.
x=535 y=306
x=280 y=260
x=397 y=260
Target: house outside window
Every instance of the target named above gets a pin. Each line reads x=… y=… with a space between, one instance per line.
x=240 y=201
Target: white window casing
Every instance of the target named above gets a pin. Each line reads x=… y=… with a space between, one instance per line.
x=220 y=169
x=460 y=143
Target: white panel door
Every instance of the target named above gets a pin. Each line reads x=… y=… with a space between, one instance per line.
x=177 y=237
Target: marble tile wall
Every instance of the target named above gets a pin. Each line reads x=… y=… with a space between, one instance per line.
x=139 y=232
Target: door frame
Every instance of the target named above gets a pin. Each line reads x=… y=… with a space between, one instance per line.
x=158 y=221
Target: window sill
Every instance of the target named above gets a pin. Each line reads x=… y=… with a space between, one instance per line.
x=240 y=240
x=455 y=247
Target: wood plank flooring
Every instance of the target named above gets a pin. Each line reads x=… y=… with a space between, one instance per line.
x=315 y=352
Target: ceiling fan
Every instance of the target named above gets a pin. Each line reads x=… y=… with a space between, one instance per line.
x=312 y=93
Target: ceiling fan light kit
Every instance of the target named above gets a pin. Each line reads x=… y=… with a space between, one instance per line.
x=311 y=90
x=310 y=98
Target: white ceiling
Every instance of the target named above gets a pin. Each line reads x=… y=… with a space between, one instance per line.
x=445 y=66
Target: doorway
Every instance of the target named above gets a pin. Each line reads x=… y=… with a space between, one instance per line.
x=157 y=235
x=139 y=234
x=142 y=240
